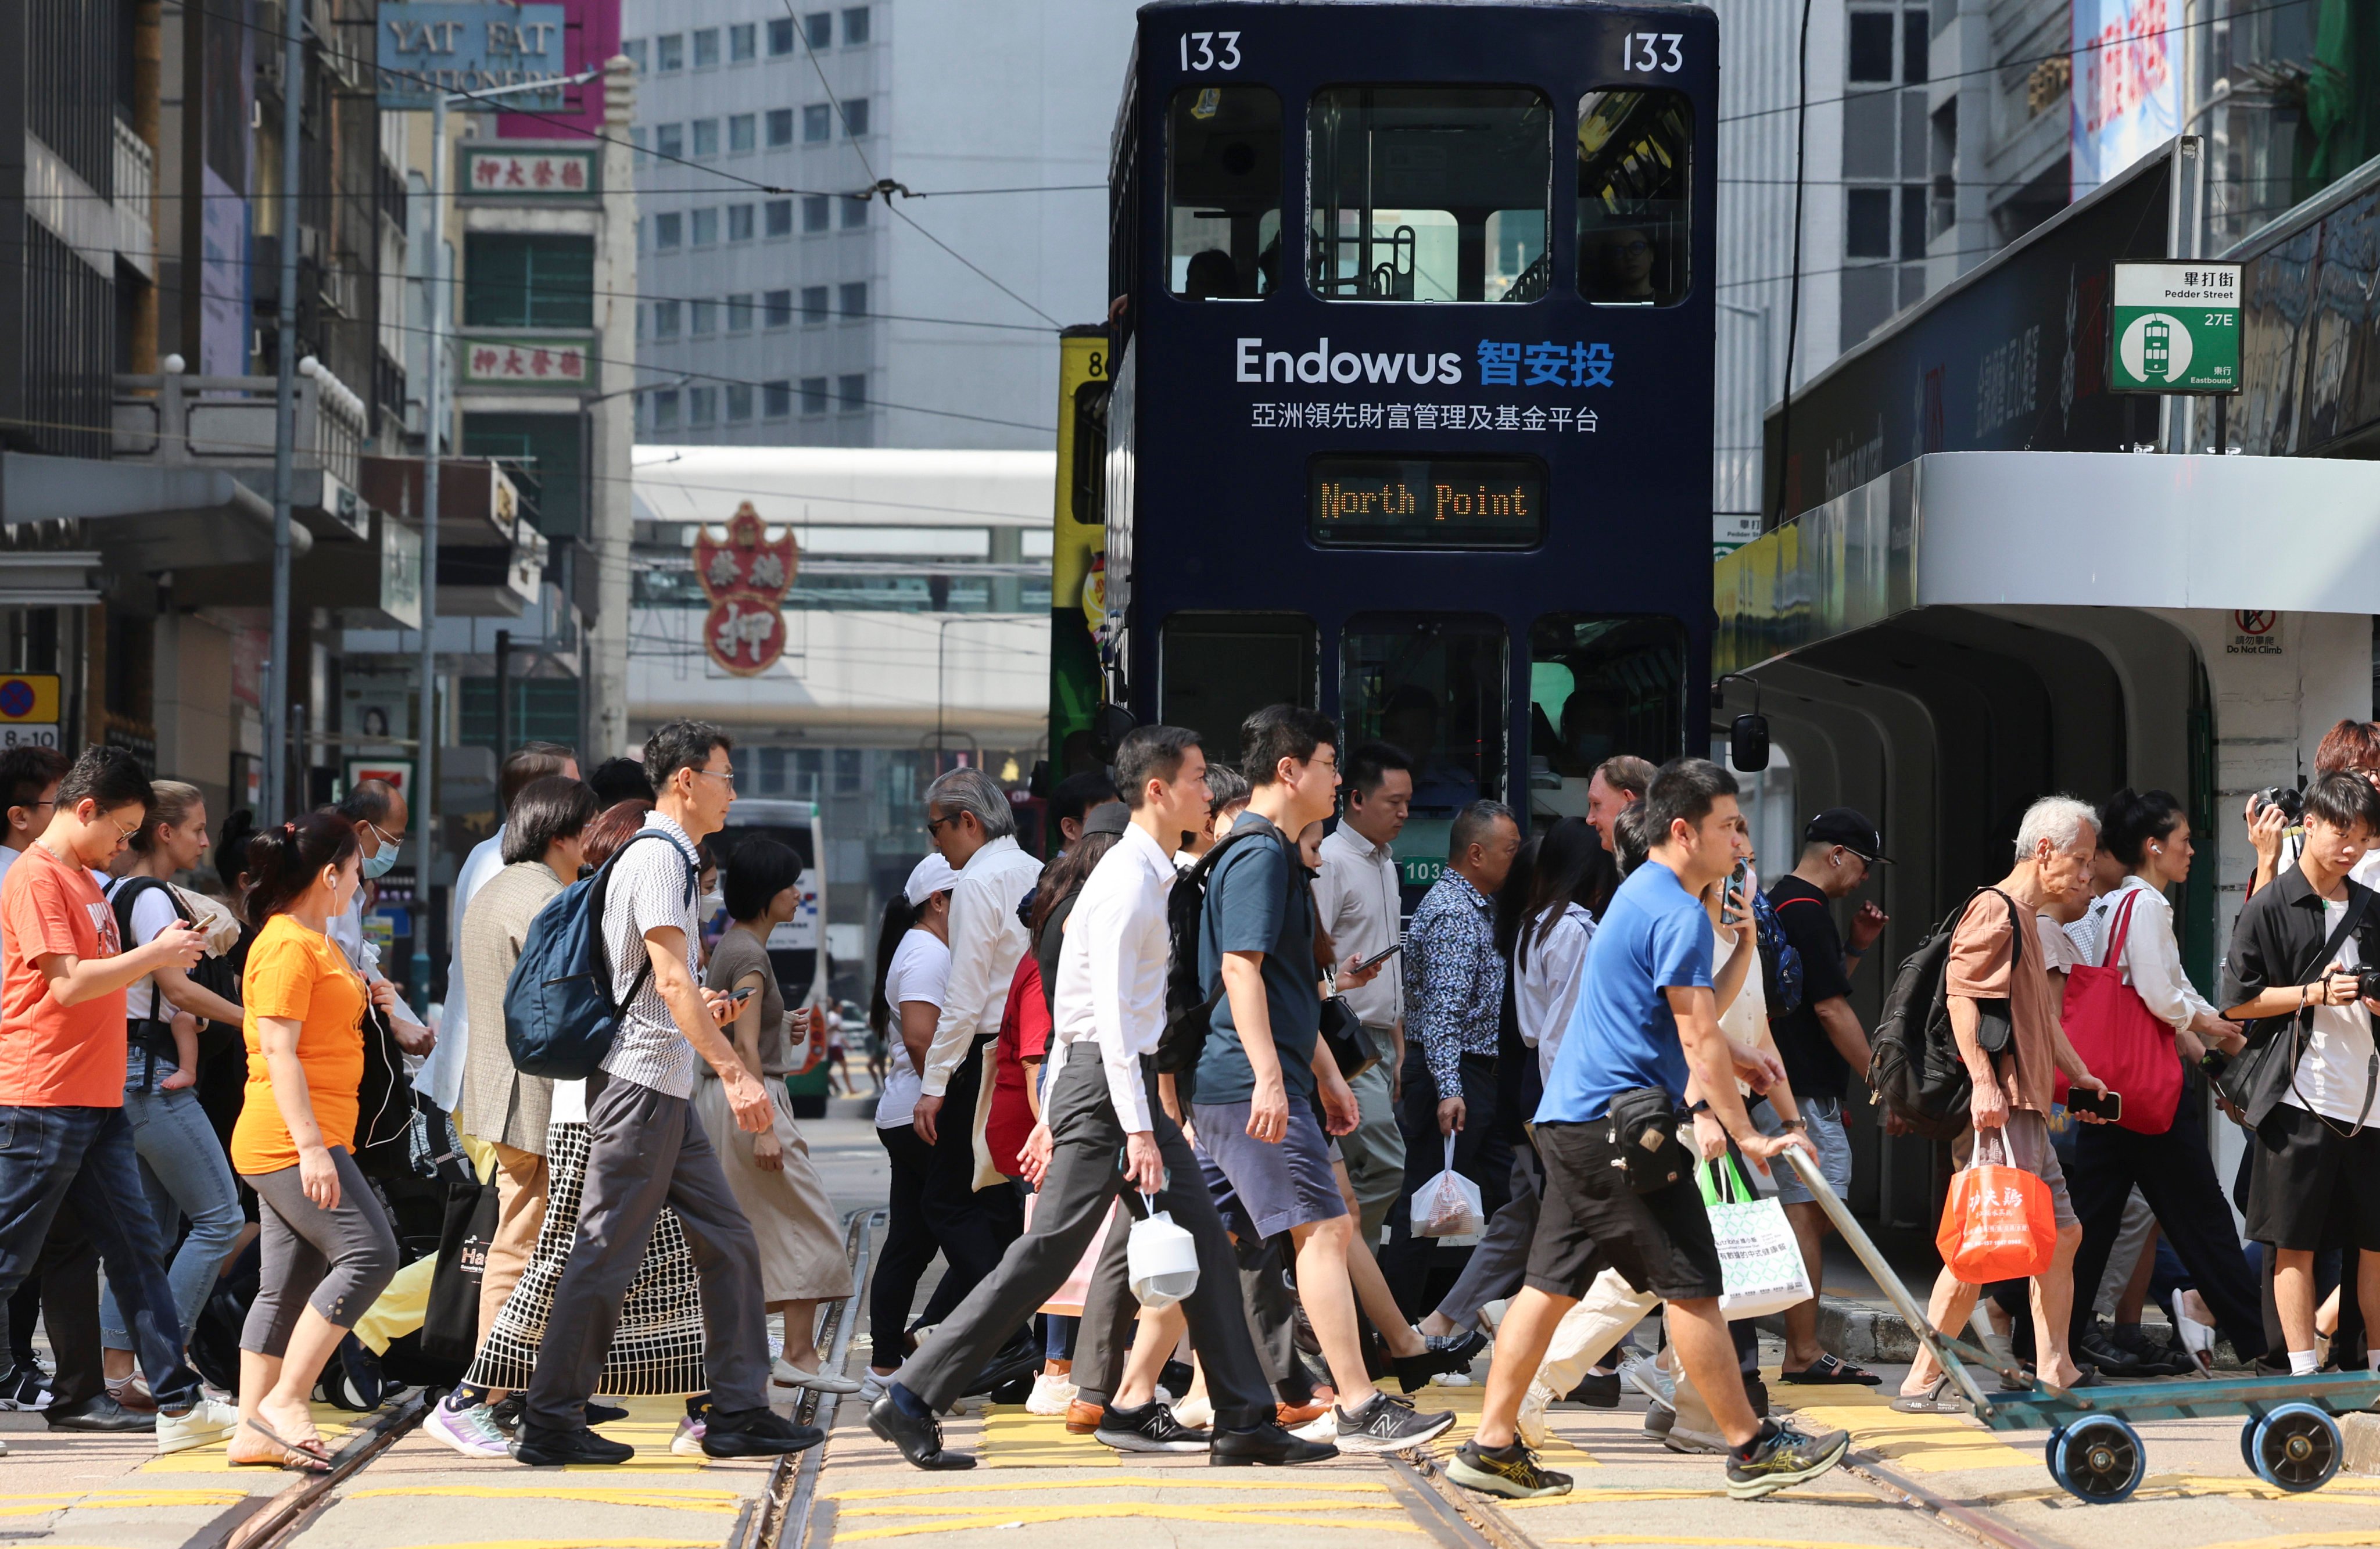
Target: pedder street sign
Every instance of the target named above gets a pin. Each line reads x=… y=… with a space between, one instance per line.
x=431 y=46
x=2175 y=327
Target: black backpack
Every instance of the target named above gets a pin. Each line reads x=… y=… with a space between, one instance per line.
x=1189 y=1007
x=1913 y=1063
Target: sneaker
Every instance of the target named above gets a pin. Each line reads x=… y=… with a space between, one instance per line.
x=1389 y=1423
x=871 y=1385
x=601 y=1413
x=2096 y=1347
x=1510 y=1471
x=1682 y=1437
x=204 y=1422
x=687 y=1443
x=471 y=1431
x=1051 y=1394
x=1597 y=1390
x=1323 y=1427
x=1658 y=1419
x=1783 y=1456
x=1463 y=1346
x=1196 y=1411
x=785 y=1373
x=26 y=1387
x=546 y=1449
x=1265 y=1446
x=508 y=1413
x=1490 y=1317
x=133 y=1393
x=1640 y=1373
x=1150 y=1428
x=1530 y=1423
x=755 y=1433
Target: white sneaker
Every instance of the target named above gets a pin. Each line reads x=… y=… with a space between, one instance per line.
x=687 y=1443
x=1686 y=1438
x=1051 y=1393
x=1531 y=1421
x=1324 y=1429
x=1490 y=1316
x=871 y=1386
x=785 y=1373
x=1640 y=1373
x=204 y=1422
x=472 y=1431
x=1196 y=1412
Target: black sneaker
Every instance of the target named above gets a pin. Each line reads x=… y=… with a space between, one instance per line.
x=1597 y=1390
x=2096 y=1347
x=1150 y=1428
x=603 y=1414
x=506 y=1412
x=1265 y=1446
x=762 y=1432
x=26 y=1387
x=548 y=1450
x=1389 y=1424
x=1510 y=1471
x=1782 y=1457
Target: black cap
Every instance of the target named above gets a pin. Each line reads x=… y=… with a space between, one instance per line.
x=1849 y=827
x=1108 y=817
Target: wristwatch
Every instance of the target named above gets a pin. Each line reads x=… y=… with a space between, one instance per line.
x=1796 y=1123
x=1698 y=1107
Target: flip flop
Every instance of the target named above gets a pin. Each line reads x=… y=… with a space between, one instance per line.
x=307 y=1456
x=1832 y=1371
x=1934 y=1400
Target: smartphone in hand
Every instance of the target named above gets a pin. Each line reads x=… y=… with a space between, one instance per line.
x=1380 y=957
x=2108 y=1105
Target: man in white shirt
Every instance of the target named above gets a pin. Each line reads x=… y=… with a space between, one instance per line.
x=1107 y=1013
x=969 y=820
x=1357 y=896
x=442 y=1074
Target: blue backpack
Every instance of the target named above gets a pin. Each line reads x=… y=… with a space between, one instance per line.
x=559 y=1015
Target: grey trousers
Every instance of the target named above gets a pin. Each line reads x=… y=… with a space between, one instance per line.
x=1374 y=1149
x=1502 y=1252
x=1081 y=1186
x=337 y=1261
x=646 y=1149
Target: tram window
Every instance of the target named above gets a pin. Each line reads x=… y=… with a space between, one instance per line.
x=1635 y=155
x=1433 y=684
x=1599 y=685
x=1429 y=193
x=1215 y=670
x=1223 y=213
x=1089 y=484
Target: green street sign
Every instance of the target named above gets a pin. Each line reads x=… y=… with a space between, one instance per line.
x=2175 y=327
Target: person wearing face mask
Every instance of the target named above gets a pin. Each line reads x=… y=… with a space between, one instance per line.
x=375 y=812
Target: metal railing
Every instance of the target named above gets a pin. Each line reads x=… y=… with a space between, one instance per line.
x=178 y=418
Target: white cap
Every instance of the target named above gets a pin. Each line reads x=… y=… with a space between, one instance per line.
x=933 y=874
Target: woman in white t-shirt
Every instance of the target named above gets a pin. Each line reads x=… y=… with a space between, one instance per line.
x=913 y=959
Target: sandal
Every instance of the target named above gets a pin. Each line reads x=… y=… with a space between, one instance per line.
x=305 y=1455
x=1936 y=1399
x=1832 y=1371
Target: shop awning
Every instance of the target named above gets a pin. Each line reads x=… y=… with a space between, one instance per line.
x=158 y=518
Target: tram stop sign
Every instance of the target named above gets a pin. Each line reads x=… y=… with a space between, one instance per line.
x=2175 y=327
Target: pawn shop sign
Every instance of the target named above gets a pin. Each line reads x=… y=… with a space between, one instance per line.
x=745 y=577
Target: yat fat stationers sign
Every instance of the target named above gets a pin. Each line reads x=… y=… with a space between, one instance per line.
x=428 y=48
x=2175 y=327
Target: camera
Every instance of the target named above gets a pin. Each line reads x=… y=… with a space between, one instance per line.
x=2290 y=800
x=2367 y=983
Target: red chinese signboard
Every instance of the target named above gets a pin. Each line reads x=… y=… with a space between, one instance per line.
x=745 y=577
x=526 y=362
x=564 y=174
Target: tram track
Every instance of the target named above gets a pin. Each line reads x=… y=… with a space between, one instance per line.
x=788 y=1508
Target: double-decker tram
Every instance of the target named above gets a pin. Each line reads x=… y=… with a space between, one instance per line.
x=1408 y=386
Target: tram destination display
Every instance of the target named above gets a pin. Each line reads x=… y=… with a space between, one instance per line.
x=1425 y=503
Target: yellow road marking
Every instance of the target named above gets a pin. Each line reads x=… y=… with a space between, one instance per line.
x=125 y=1499
x=1602 y=1498
x=1056 y=1512
x=727 y=1501
x=1028 y=1516
x=2285 y=1540
x=1722 y=1543
x=1128 y=1481
x=1928 y=1443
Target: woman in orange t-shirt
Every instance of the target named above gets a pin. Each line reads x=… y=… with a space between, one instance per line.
x=327 y=1248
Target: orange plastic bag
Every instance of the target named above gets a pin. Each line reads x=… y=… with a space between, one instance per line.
x=1998 y=1223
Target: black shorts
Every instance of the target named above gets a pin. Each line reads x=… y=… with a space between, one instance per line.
x=1590 y=1220
x=2307 y=1176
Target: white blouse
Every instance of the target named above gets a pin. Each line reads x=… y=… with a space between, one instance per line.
x=2151 y=960
x=1545 y=988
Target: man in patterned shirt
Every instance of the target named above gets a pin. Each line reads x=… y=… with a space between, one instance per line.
x=647 y=1149
x=1454 y=998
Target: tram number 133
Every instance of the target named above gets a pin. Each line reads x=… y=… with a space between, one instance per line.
x=1210 y=51
x=1652 y=53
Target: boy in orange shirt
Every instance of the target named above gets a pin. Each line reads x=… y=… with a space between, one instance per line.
x=64 y=1139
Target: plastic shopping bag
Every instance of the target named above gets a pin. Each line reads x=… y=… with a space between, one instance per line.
x=1759 y=1257
x=1448 y=1204
x=1998 y=1223
x=1160 y=1259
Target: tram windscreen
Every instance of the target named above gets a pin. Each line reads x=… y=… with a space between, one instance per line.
x=1425 y=503
x=1635 y=161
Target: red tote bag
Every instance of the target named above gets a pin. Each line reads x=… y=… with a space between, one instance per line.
x=2123 y=1041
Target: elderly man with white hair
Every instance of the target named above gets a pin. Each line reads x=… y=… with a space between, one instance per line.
x=1997 y=969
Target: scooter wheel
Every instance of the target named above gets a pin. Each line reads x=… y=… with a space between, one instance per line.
x=2098 y=1460
x=2297 y=1448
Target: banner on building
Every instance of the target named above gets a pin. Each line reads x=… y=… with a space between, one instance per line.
x=745 y=577
x=2126 y=87
x=427 y=47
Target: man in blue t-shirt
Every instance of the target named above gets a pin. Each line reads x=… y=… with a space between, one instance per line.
x=1646 y=1022
x=1262 y=1074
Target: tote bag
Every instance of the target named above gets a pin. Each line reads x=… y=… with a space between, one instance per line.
x=1067 y=1300
x=2119 y=1038
x=1759 y=1257
x=1998 y=1223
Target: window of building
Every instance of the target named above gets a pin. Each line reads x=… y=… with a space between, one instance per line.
x=739 y=313
x=847 y=772
x=1899 y=168
x=739 y=403
x=855 y=213
x=669 y=52
x=1917 y=47
x=778 y=217
x=706 y=136
x=742 y=43
x=813 y=396
x=814 y=212
x=776 y=399
x=706 y=48
x=777 y=309
x=1871 y=46
x=669 y=140
x=706 y=226
x=541 y=453
x=702 y=406
x=1867 y=222
x=1600 y=685
x=781 y=35
x=1635 y=158
x=1429 y=193
x=813 y=304
x=817 y=123
x=781 y=126
x=634 y=49
x=850 y=393
x=665 y=409
x=668 y=231
x=854 y=298
x=1215 y=670
x=636 y=139
x=517 y=280
x=1434 y=684
x=702 y=318
x=1224 y=211
x=855 y=27
x=665 y=318
x=739 y=222
x=854 y=119
x=818 y=26
x=743 y=134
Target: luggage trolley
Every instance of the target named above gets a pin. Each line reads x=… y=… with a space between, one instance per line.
x=2289 y=1440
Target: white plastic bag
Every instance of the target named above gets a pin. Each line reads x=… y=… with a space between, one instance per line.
x=1160 y=1259
x=1760 y=1259
x=1448 y=1204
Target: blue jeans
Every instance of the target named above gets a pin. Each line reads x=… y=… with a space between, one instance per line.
x=183 y=1172
x=84 y=1158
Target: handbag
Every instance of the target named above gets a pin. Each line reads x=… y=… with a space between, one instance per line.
x=2124 y=1043
x=1344 y=1034
x=450 y=1324
x=1066 y=1301
x=2260 y=1075
x=1760 y=1259
x=1999 y=1222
